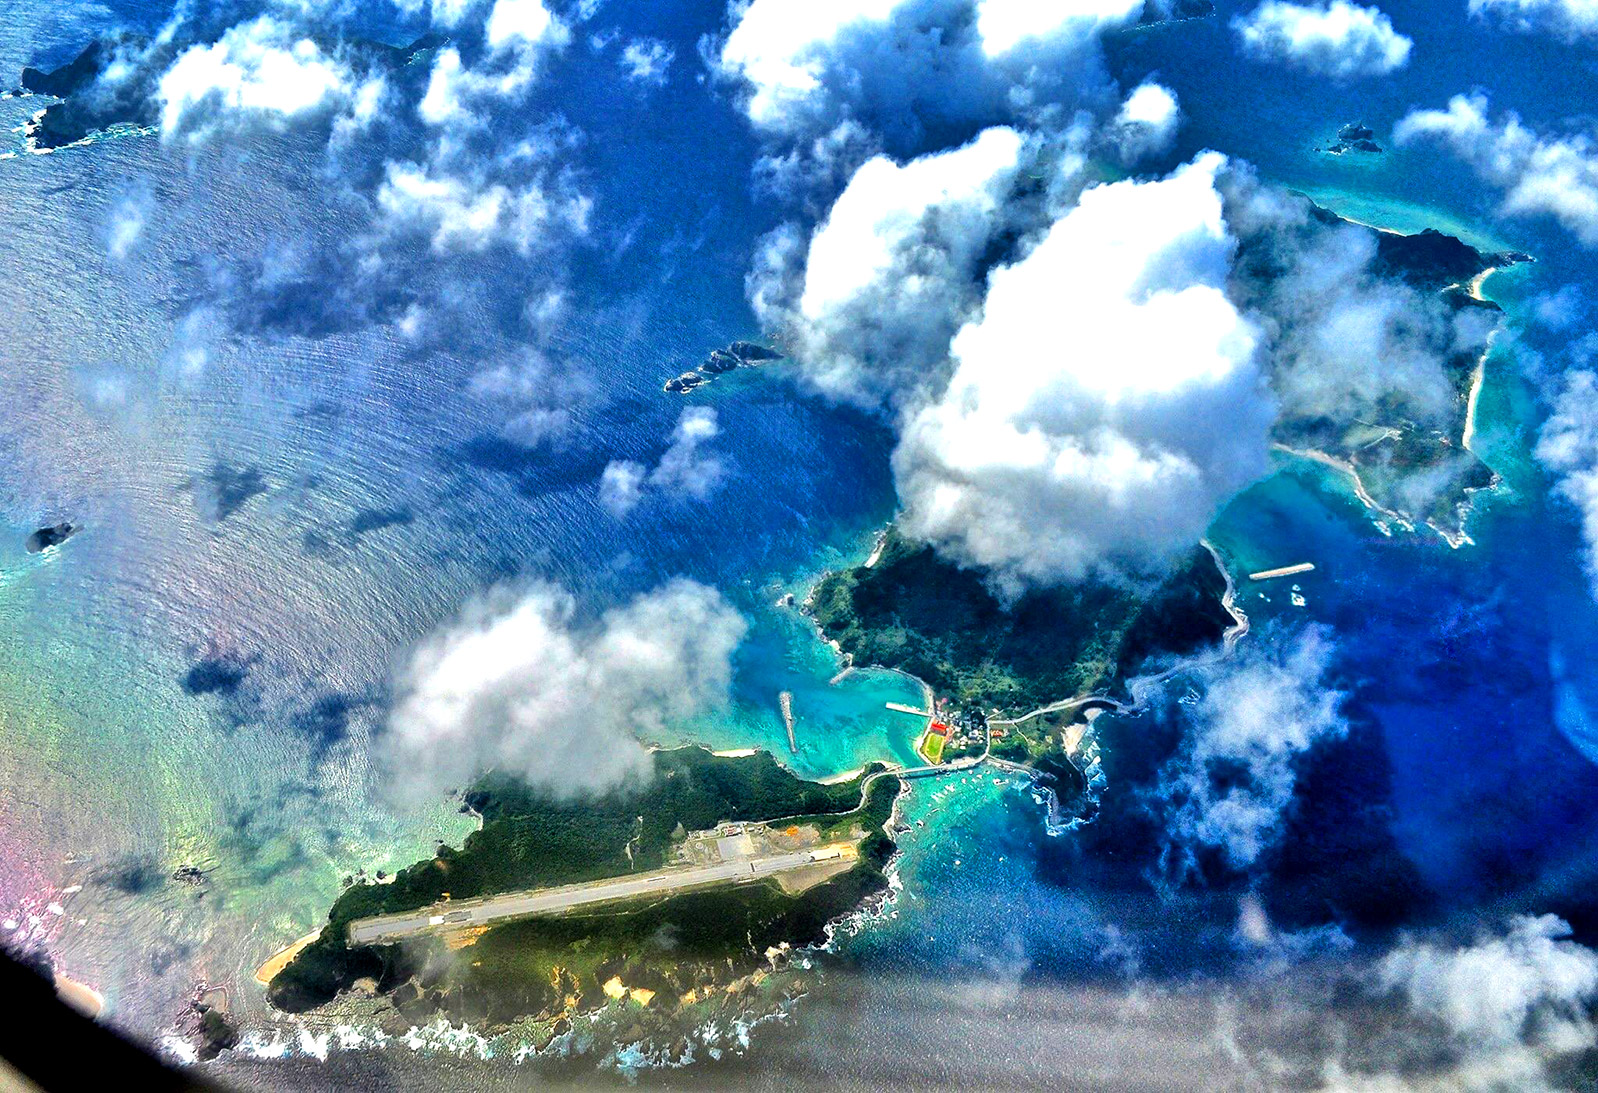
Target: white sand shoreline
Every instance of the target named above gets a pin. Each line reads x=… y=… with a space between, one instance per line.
x=281 y=959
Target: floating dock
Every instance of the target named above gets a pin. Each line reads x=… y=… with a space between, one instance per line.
x=1284 y=571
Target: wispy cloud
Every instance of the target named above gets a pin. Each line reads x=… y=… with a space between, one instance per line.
x=1540 y=174
x=1567 y=20
x=1233 y=776
x=685 y=468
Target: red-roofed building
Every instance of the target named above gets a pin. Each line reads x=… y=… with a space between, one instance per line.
x=940 y=728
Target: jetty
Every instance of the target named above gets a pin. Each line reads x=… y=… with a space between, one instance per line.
x=1284 y=571
x=900 y=707
x=785 y=700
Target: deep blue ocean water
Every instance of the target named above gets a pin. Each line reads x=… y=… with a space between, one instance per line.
x=218 y=511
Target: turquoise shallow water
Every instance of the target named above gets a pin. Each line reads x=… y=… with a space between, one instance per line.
x=841 y=720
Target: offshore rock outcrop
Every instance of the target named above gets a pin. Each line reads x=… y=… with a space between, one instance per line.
x=719 y=362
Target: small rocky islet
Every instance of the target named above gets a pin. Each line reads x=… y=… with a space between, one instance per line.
x=51 y=536
x=1355 y=137
x=735 y=356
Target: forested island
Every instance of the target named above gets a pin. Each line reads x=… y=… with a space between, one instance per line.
x=1410 y=461
x=1355 y=137
x=913 y=611
x=52 y=535
x=661 y=954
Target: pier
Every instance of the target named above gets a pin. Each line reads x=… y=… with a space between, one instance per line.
x=900 y=707
x=785 y=700
x=1284 y=571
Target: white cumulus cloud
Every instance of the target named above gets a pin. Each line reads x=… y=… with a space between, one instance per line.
x=890 y=274
x=1337 y=39
x=517 y=683
x=263 y=69
x=462 y=208
x=1104 y=405
x=1511 y=1001
x=1568 y=20
x=516 y=35
x=517 y=24
x=781 y=50
x=1146 y=123
x=448 y=86
x=1004 y=25
x=647 y=61
x=904 y=68
x=1540 y=174
x=1569 y=447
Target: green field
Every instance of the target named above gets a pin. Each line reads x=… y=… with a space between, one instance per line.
x=932 y=747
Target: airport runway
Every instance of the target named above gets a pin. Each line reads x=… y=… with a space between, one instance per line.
x=382 y=929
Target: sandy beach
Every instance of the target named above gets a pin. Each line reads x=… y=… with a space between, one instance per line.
x=1353 y=473
x=280 y=960
x=1469 y=432
x=1477 y=281
x=876 y=551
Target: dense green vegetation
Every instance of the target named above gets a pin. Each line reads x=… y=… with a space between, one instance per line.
x=531 y=840
x=916 y=612
x=698 y=940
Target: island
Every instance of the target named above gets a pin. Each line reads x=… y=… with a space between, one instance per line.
x=51 y=536
x=720 y=361
x=1410 y=468
x=1354 y=137
x=676 y=898
x=1014 y=682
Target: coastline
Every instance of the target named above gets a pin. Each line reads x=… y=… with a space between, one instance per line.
x=1468 y=434
x=876 y=551
x=1454 y=539
x=1396 y=216
x=281 y=959
x=1315 y=455
x=1476 y=283
x=1239 y=628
